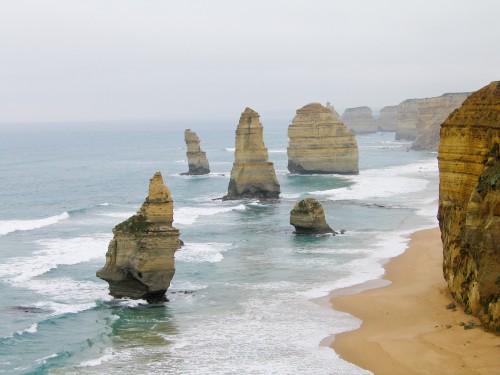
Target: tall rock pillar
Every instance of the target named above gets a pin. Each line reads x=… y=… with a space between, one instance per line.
x=252 y=175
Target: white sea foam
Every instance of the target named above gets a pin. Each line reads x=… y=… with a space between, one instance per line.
x=32 y=329
x=9 y=226
x=54 y=252
x=97 y=361
x=230 y=149
x=118 y=215
x=277 y=151
x=201 y=252
x=188 y=215
x=43 y=360
x=290 y=196
x=104 y=204
x=383 y=183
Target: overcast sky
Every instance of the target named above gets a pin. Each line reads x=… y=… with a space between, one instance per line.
x=85 y=60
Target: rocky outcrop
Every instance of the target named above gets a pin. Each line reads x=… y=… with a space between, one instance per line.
x=360 y=120
x=252 y=175
x=388 y=118
x=308 y=217
x=320 y=143
x=469 y=204
x=431 y=113
x=332 y=108
x=197 y=159
x=140 y=257
x=426 y=115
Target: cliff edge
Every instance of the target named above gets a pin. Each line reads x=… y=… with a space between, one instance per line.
x=469 y=204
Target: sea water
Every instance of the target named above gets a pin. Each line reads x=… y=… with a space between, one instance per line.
x=244 y=296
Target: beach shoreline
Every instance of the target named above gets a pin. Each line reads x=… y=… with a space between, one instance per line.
x=406 y=325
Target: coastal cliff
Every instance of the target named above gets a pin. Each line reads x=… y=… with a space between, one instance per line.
x=360 y=120
x=419 y=119
x=197 y=159
x=388 y=118
x=469 y=204
x=140 y=257
x=320 y=143
x=252 y=175
x=431 y=113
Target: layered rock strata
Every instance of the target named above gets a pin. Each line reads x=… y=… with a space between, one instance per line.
x=469 y=204
x=431 y=113
x=252 y=175
x=419 y=119
x=308 y=217
x=360 y=120
x=388 y=118
x=320 y=143
x=197 y=159
x=140 y=257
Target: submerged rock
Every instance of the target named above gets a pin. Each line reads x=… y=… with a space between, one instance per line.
x=320 y=143
x=140 y=257
x=197 y=159
x=308 y=217
x=469 y=204
x=252 y=175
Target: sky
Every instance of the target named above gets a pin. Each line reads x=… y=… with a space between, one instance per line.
x=163 y=60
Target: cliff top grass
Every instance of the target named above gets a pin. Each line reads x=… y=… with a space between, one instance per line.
x=134 y=224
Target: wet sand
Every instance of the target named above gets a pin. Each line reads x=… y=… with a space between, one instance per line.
x=406 y=326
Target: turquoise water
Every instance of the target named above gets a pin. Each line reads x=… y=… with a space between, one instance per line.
x=242 y=300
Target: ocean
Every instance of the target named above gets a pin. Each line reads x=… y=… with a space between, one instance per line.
x=245 y=298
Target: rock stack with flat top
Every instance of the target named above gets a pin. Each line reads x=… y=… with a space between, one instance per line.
x=140 y=257
x=320 y=143
x=469 y=204
x=252 y=175
x=197 y=159
x=308 y=217
x=360 y=120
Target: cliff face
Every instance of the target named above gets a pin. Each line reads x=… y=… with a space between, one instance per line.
x=308 y=217
x=360 y=120
x=197 y=159
x=431 y=113
x=419 y=119
x=320 y=143
x=252 y=175
x=469 y=204
x=140 y=257
x=388 y=118
x=406 y=125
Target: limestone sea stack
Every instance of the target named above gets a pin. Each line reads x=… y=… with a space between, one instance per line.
x=469 y=204
x=252 y=175
x=197 y=159
x=140 y=257
x=388 y=118
x=360 y=120
x=308 y=217
x=321 y=143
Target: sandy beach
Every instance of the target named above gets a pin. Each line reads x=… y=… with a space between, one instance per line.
x=407 y=328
